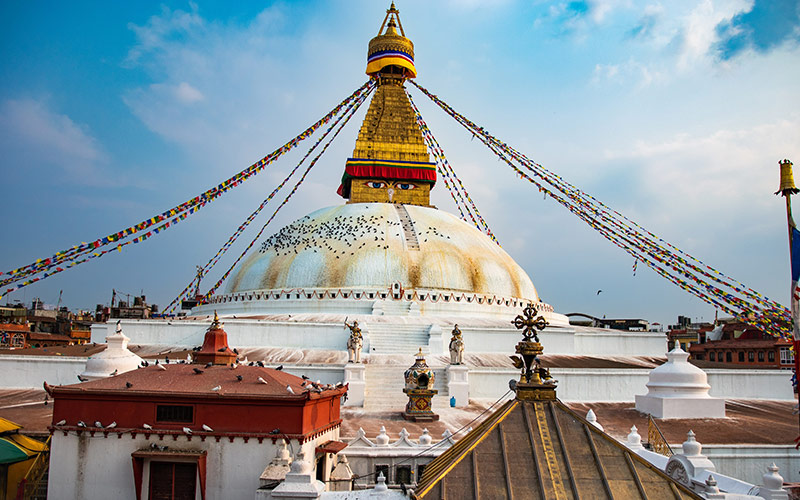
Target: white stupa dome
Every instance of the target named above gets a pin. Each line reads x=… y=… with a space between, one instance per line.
x=678 y=389
x=677 y=377
x=116 y=358
x=375 y=245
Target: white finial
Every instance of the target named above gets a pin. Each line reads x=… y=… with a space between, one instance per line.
x=635 y=439
x=772 y=480
x=382 y=439
x=691 y=447
x=592 y=419
x=380 y=483
x=425 y=439
x=711 y=485
x=299 y=465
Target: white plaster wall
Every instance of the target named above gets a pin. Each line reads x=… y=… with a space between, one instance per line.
x=30 y=372
x=617 y=343
x=332 y=335
x=98 y=468
x=750 y=462
x=622 y=385
x=750 y=384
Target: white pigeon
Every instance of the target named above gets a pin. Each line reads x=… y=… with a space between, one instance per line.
x=162 y=367
x=216 y=388
x=81 y=423
x=207 y=428
x=147 y=426
x=61 y=422
x=111 y=425
x=289 y=389
x=98 y=425
x=187 y=431
x=260 y=379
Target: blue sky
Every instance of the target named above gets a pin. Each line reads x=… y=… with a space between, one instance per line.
x=675 y=113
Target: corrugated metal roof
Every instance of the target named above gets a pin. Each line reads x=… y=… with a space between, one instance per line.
x=216 y=380
x=541 y=449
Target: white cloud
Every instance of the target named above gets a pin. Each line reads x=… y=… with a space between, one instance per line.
x=703 y=174
x=188 y=94
x=34 y=136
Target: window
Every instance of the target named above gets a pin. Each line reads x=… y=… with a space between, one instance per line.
x=172 y=480
x=403 y=475
x=771 y=356
x=741 y=356
x=787 y=357
x=728 y=357
x=382 y=469
x=174 y=413
x=760 y=356
x=751 y=356
x=712 y=356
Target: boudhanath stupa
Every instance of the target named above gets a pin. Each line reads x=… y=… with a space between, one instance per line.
x=408 y=272
x=414 y=277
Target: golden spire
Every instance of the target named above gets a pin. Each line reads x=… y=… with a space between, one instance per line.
x=390 y=162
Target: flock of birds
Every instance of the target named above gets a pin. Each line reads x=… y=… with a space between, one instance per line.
x=341 y=235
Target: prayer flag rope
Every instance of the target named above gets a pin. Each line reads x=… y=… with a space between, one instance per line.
x=212 y=262
x=679 y=267
x=56 y=263
x=351 y=110
x=458 y=193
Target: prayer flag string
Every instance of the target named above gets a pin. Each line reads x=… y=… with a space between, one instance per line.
x=71 y=257
x=675 y=265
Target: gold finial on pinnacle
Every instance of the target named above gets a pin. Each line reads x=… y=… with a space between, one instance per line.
x=787 y=179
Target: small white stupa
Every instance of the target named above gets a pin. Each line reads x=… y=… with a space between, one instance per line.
x=678 y=389
x=115 y=359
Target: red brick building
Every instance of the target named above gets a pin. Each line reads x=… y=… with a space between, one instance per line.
x=742 y=344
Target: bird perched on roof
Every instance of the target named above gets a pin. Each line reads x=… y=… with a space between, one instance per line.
x=82 y=378
x=81 y=423
x=147 y=426
x=279 y=368
x=303 y=377
x=207 y=428
x=111 y=425
x=261 y=379
x=162 y=367
x=98 y=425
x=128 y=385
x=289 y=389
x=113 y=373
x=209 y=364
x=198 y=371
x=61 y=422
x=260 y=363
x=216 y=388
x=187 y=431
x=239 y=378
x=275 y=431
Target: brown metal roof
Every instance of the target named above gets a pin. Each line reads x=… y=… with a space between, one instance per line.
x=213 y=381
x=541 y=449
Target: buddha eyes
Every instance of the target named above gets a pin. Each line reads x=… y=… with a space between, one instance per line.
x=404 y=186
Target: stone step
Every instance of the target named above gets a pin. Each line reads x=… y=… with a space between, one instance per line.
x=399 y=339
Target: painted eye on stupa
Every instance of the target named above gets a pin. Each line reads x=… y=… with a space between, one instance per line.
x=375 y=184
x=405 y=186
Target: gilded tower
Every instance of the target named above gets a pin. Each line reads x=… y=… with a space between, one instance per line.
x=390 y=162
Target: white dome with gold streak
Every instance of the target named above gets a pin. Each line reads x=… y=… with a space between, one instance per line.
x=375 y=245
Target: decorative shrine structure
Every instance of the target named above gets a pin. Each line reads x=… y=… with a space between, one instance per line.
x=419 y=389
